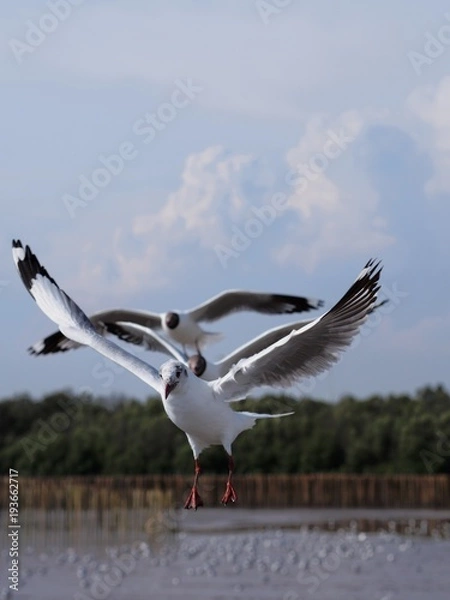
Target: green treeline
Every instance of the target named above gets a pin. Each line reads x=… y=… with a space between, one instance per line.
x=64 y=434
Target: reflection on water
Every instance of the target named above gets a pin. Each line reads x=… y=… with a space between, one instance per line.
x=436 y=528
x=91 y=528
x=136 y=554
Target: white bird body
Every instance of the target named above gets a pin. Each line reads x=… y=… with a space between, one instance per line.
x=198 y=413
x=206 y=420
x=191 y=405
x=188 y=332
x=200 y=408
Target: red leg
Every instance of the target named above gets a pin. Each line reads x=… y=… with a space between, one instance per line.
x=194 y=500
x=230 y=494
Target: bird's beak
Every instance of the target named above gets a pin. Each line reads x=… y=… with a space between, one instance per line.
x=169 y=387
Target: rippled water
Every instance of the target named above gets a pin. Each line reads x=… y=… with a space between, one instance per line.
x=234 y=553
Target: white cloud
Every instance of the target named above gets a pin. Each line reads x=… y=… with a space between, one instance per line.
x=431 y=104
x=334 y=214
x=336 y=210
x=118 y=267
x=210 y=191
x=150 y=246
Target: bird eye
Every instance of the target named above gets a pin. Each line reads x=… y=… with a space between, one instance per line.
x=178 y=373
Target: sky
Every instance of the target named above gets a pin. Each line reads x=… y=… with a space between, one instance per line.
x=154 y=154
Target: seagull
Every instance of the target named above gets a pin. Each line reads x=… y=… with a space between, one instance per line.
x=202 y=408
x=183 y=326
x=142 y=336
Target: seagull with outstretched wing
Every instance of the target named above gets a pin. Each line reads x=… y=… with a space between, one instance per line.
x=199 y=365
x=201 y=408
x=183 y=326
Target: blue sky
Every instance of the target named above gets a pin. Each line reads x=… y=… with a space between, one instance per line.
x=139 y=139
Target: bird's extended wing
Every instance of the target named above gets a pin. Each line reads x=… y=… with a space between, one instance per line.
x=308 y=351
x=57 y=342
x=267 y=339
x=238 y=300
x=257 y=344
x=123 y=315
x=53 y=344
x=141 y=336
x=69 y=317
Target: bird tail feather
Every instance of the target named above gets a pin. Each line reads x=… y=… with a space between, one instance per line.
x=247 y=420
x=210 y=337
x=257 y=416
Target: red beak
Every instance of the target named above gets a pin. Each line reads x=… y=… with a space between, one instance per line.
x=169 y=387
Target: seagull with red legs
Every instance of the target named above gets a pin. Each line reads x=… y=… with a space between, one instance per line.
x=202 y=408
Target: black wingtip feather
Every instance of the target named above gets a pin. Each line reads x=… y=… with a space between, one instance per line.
x=294 y=304
x=122 y=333
x=29 y=266
x=52 y=344
x=369 y=282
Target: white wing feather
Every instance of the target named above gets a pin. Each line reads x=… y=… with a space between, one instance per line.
x=308 y=351
x=69 y=317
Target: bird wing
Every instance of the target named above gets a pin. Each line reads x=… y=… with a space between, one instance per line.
x=123 y=315
x=308 y=351
x=141 y=336
x=238 y=300
x=69 y=317
x=52 y=344
x=57 y=342
x=267 y=339
x=257 y=344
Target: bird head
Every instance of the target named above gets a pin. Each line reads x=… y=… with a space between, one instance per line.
x=172 y=373
x=197 y=364
x=172 y=319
